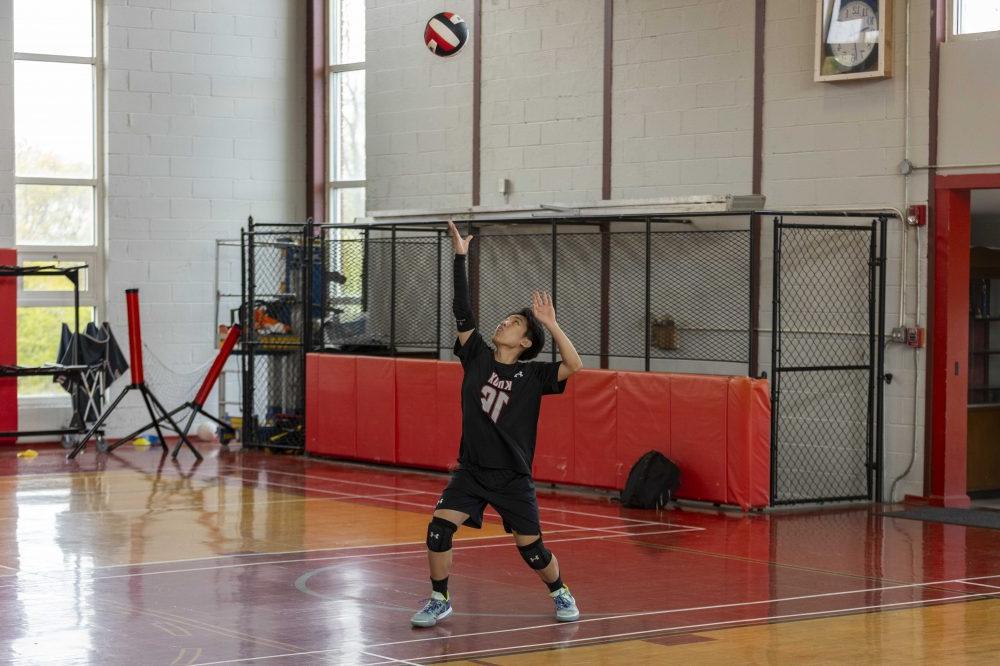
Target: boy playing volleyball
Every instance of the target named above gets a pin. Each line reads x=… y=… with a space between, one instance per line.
x=501 y=398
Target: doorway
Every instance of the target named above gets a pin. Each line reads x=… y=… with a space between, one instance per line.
x=983 y=444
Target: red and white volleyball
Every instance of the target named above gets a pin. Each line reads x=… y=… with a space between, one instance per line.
x=445 y=34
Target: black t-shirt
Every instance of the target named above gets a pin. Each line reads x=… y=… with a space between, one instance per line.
x=500 y=405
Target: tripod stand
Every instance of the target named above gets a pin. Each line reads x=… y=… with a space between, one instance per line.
x=138 y=384
x=197 y=405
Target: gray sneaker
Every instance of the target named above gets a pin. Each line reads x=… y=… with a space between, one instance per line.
x=566 y=610
x=436 y=609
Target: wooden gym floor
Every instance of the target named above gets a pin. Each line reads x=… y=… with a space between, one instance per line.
x=132 y=559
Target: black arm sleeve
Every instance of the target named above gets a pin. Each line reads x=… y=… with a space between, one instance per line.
x=462 y=303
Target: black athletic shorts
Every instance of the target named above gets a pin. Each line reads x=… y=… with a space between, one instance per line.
x=513 y=498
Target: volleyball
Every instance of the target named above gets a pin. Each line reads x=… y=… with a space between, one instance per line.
x=445 y=34
x=206 y=432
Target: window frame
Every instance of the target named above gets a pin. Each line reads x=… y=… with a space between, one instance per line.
x=94 y=296
x=332 y=70
x=953 y=35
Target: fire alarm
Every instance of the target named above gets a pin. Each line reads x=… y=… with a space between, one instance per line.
x=915 y=337
x=916 y=215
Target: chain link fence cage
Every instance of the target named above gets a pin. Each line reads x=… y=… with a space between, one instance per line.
x=276 y=332
x=827 y=358
x=661 y=293
x=669 y=295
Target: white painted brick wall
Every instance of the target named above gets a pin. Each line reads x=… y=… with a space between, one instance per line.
x=542 y=100
x=682 y=125
x=206 y=127
x=839 y=145
x=419 y=110
x=683 y=98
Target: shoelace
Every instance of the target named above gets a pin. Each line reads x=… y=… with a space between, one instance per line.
x=434 y=606
x=564 y=601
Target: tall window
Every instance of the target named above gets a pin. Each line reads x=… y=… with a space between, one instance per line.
x=57 y=170
x=972 y=17
x=346 y=147
x=346 y=133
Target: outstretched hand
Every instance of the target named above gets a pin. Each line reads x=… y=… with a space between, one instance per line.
x=459 y=244
x=542 y=308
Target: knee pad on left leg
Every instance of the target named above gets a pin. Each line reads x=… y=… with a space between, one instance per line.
x=536 y=554
x=439 y=534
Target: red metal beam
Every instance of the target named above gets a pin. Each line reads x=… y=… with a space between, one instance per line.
x=937 y=33
x=968 y=181
x=609 y=35
x=477 y=98
x=316 y=112
x=948 y=357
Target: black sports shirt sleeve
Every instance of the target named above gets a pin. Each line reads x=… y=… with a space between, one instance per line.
x=548 y=377
x=474 y=348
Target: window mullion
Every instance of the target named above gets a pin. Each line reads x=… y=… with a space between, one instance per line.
x=347 y=67
x=45 y=57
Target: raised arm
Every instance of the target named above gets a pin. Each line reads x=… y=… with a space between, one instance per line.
x=545 y=312
x=461 y=305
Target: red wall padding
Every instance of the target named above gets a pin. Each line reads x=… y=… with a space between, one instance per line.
x=717 y=429
x=595 y=444
x=554 y=448
x=698 y=436
x=8 y=345
x=416 y=413
x=643 y=419
x=376 y=405
x=331 y=405
x=444 y=454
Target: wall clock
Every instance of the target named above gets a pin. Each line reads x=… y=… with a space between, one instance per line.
x=853 y=39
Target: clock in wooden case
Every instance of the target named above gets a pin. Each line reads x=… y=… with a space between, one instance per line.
x=853 y=39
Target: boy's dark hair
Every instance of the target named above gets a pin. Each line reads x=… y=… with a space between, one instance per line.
x=535 y=333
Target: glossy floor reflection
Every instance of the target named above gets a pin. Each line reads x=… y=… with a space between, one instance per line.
x=133 y=559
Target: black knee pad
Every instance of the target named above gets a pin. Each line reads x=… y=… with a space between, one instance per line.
x=439 y=534
x=536 y=554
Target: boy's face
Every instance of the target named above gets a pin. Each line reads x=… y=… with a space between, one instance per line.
x=512 y=332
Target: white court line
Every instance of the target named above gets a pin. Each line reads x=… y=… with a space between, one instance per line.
x=339 y=548
x=673 y=611
x=388 y=555
x=222 y=505
x=764 y=618
x=390 y=659
x=428 y=492
x=969 y=582
x=431 y=507
x=708 y=625
x=704 y=625
x=688 y=528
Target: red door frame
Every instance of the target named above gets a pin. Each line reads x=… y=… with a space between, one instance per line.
x=948 y=337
